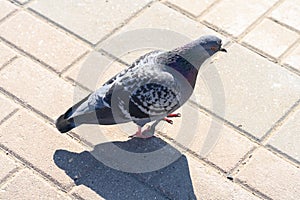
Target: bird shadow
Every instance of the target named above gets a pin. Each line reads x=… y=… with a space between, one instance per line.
x=172 y=181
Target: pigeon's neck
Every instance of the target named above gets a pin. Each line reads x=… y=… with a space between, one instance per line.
x=193 y=53
x=187 y=58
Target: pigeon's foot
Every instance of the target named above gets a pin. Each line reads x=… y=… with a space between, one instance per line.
x=171 y=115
x=142 y=134
x=174 y=115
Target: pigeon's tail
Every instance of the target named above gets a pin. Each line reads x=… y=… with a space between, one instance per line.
x=65 y=122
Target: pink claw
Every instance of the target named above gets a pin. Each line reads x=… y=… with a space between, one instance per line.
x=174 y=115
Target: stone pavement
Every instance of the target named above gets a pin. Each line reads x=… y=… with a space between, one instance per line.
x=247 y=148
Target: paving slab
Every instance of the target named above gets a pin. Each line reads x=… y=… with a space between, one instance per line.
x=191 y=6
x=28 y=185
x=256 y=92
x=83 y=17
x=271 y=38
x=93 y=176
x=39 y=87
x=288 y=13
x=271 y=175
x=6 y=8
x=41 y=40
x=175 y=29
x=224 y=14
x=6 y=107
x=86 y=193
x=292 y=59
x=94 y=70
x=5 y=54
x=36 y=141
x=210 y=185
x=207 y=137
x=7 y=165
x=287 y=138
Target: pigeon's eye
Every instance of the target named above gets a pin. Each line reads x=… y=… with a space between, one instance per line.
x=214 y=48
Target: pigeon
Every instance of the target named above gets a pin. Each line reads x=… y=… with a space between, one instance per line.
x=150 y=89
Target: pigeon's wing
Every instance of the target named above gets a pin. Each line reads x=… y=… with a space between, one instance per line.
x=145 y=59
x=101 y=99
x=153 y=100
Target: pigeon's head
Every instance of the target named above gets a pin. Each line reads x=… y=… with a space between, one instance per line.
x=201 y=49
x=210 y=43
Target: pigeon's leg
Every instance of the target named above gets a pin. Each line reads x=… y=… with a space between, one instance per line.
x=140 y=133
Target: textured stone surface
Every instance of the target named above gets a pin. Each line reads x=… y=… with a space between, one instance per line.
x=192 y=6
x=37 y=142
x=40 y=88
x=7 y=165
x=288 y=13
x=210 y=185
x=6 y=107
x=207 y=137
x=272 y=175
x=175 y=30
x=224 y=14
x=94 y=70
x=5 y=54
x=27 y=185
x=244 y=78
x=86 y=192
x=271 y=38
x=41 y=40
x=287 y=138
x=6 y=8
x=93 y=25
x=293 y=58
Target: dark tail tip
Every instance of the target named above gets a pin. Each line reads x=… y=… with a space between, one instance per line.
x=64 y=125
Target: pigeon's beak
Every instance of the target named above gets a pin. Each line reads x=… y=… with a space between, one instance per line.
x=222 y=49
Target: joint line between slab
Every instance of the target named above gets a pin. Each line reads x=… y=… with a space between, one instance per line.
x=113 y=57
x=25 y=105
x=8 y=16
x=8 y=62
x=210 y=164
x=259 y=19
x=9 y=115
x=280 y=122
x=180 y=10
x=60 y=28
x=283 y=155
x=74 y=62
x=190 y=152
x=29 y=165
x=250 y=188
x=11 y=174
x=208 y=9
x=125 y=22
x=226 y=122
x=28 y=55
x=289 y=50
x=283 y=24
